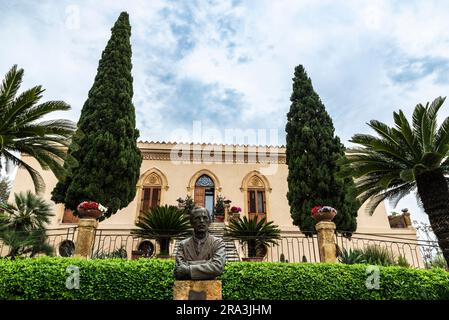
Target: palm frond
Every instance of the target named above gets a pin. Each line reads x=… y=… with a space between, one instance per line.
x=9 y=87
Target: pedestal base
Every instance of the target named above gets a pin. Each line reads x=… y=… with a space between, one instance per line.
x=197 y=290
x=86 y=238
x=326 y=241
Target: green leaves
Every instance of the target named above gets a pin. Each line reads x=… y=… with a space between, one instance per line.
x=163 y=222
x=104 y=162
x=152 y=279
x=19 y=132
x=22 y=225
x=314 y=174
x=386 y=166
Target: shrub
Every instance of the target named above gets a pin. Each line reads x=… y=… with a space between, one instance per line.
x=119 y=253
x=320 y=281
x=352 y=257
x=402 y=261
x=437 y=262
x=378 y=255
x=108 y=279
x=113 y=279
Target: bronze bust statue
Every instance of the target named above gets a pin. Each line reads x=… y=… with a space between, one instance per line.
x=202 y=256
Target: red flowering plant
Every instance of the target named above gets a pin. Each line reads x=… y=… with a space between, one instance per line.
x=235 y=209
x=315 y=210
x=86 y=205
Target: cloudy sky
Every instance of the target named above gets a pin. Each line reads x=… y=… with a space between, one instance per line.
x=229 y=63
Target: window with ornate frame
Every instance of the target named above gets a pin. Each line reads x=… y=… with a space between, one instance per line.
x=150 y=190
x=256 y=187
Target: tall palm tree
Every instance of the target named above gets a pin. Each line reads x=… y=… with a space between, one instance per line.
x=404 y=158
x=19 y=132
x=22 y=225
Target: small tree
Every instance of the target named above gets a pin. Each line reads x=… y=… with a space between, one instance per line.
x=22 y=225
x=257 y=234
x=104 y=160
x=313 y=156
x=163 y=224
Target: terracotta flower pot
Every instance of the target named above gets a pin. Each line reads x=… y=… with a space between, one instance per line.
x=89 y=213
x=219 y=218
x=325 y=216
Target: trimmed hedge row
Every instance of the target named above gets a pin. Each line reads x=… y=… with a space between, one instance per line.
x=45 y=278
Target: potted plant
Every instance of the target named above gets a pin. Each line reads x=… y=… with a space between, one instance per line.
x=186 y=205
x=323 y=213
x=256 y=234
x=219 y=209
x=90 y=210
x=163 y=224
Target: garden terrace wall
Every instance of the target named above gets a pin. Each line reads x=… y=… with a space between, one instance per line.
x=45 y=278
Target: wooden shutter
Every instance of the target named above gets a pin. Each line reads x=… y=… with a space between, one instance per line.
x=155 y=197
x=146 y=197
x=261 y=203
x=200 y=196
x=252 y=203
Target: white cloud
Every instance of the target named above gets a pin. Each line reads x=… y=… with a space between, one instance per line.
x=350 y=49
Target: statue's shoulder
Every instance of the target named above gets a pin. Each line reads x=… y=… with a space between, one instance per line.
x=185 y=241
x=216 y=240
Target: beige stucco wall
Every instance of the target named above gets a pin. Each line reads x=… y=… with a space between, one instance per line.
x=229 y=178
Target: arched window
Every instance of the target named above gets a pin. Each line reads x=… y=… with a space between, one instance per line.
x=256 y=187
x=256 y=196
x=151 y=192
x=204 y=195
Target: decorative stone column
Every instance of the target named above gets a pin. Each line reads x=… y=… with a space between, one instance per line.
x=326 y=241
x=197 y=290
x=86 y=237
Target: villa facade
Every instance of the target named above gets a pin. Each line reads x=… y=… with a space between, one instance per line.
x=254 y=178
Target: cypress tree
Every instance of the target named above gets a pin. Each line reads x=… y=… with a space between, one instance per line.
x=314 y=157
x=104 y=162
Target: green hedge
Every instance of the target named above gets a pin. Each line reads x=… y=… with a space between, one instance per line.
x=45 y=278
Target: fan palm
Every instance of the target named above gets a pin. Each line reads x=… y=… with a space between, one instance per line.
x=22 y=225
x=405 y=158
x=19 y=133
x=258 y=234
x=163 y=224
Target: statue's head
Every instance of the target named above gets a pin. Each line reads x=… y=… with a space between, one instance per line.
x=199 y=218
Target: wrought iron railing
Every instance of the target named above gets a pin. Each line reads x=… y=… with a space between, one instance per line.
x=60 y=240
x=291 y=247
x=415 y=252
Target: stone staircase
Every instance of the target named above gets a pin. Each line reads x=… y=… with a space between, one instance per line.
x=218 y=229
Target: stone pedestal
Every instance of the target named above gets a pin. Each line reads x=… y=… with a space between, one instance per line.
x=197 y=290
x=86 y=237
x=326 y=241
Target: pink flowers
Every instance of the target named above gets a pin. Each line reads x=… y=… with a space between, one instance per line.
x=235 y=209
